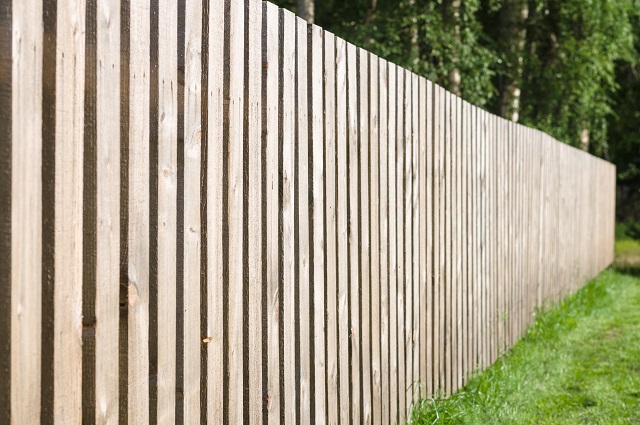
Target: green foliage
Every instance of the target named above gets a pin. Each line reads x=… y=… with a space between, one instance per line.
x=577 y=364
x=573 y=48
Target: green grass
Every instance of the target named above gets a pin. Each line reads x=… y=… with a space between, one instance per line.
x=579 y=363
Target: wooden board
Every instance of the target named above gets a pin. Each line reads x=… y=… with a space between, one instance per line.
x=288 y=182
x=416 y=209
x=253 y=127
x=319 y=401
x=353 y=193
x=344 y=375
x=107 y=297
x=364 y=188
x=437 y=236
x=331 y=231
x=25 y=233
x=235 y=209
x=138 y=237
x=393 y=239
x=192 y=220
x=215 y=215
x=385 y=302
x=399 y=207
x=271 y=113
x=407 y=182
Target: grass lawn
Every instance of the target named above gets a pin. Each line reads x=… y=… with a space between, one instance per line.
x=578 y=364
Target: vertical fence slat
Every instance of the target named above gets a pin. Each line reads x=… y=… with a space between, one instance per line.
x=167 y=211
x=383 y=152
x=454 y=241
x=464 y=160
x=459 y=245
x=271 y=112
x=416 y=205
x=438 y=236
x=68 y=208
x=138 y=244
x=331 y=231
x=375 y=190
x=423 y=234
x=215 y=214
x=473 y=218
x=26 y=211
x=341 y=230
x=353 y=234
x=393 y=295
x=192 y=219
x=429 y=236
x=407 y=181
x=364 y=188
x=234 y=212
x=319 y=239
x=399 y=281
x=288 y=182
x=446 y=241
x=108 y=213
x=255 y=206
x=302 y=208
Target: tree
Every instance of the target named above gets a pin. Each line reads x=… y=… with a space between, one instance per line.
x=453 y=18
x=513 y=27
x=306 y=10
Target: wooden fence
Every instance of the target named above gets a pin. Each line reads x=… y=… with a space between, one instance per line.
x=211 y=211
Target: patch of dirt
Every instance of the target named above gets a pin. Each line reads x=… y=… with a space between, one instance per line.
x=627 y=261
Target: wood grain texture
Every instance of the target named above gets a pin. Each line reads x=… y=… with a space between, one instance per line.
x=447 y=243
x=302 y=231
x=437 y=147
x=399 y=280
x=385 y=303
x=192 y=220
x=354 y=191
x=255 y=202
x=331 y=223
x=235 y=214
x=167 y=211
x=423 y=235
x=271 y=64
x=393 y=241
x=67 y=359
x=459 y=247
x=363 y=189
x=407 y=236
x=138 y=237
x=26 y=212
x=288 y=182
x=108 y=213
x=429 y=238
x=416 y=208
x=375 y=191
x=442 y=205
x=215 y=250
x=344 y=375
x=318 y=198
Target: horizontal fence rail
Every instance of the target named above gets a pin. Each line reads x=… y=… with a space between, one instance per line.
x=211 y=211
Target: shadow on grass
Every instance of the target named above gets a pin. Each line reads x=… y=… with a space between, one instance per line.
x=628 y=269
